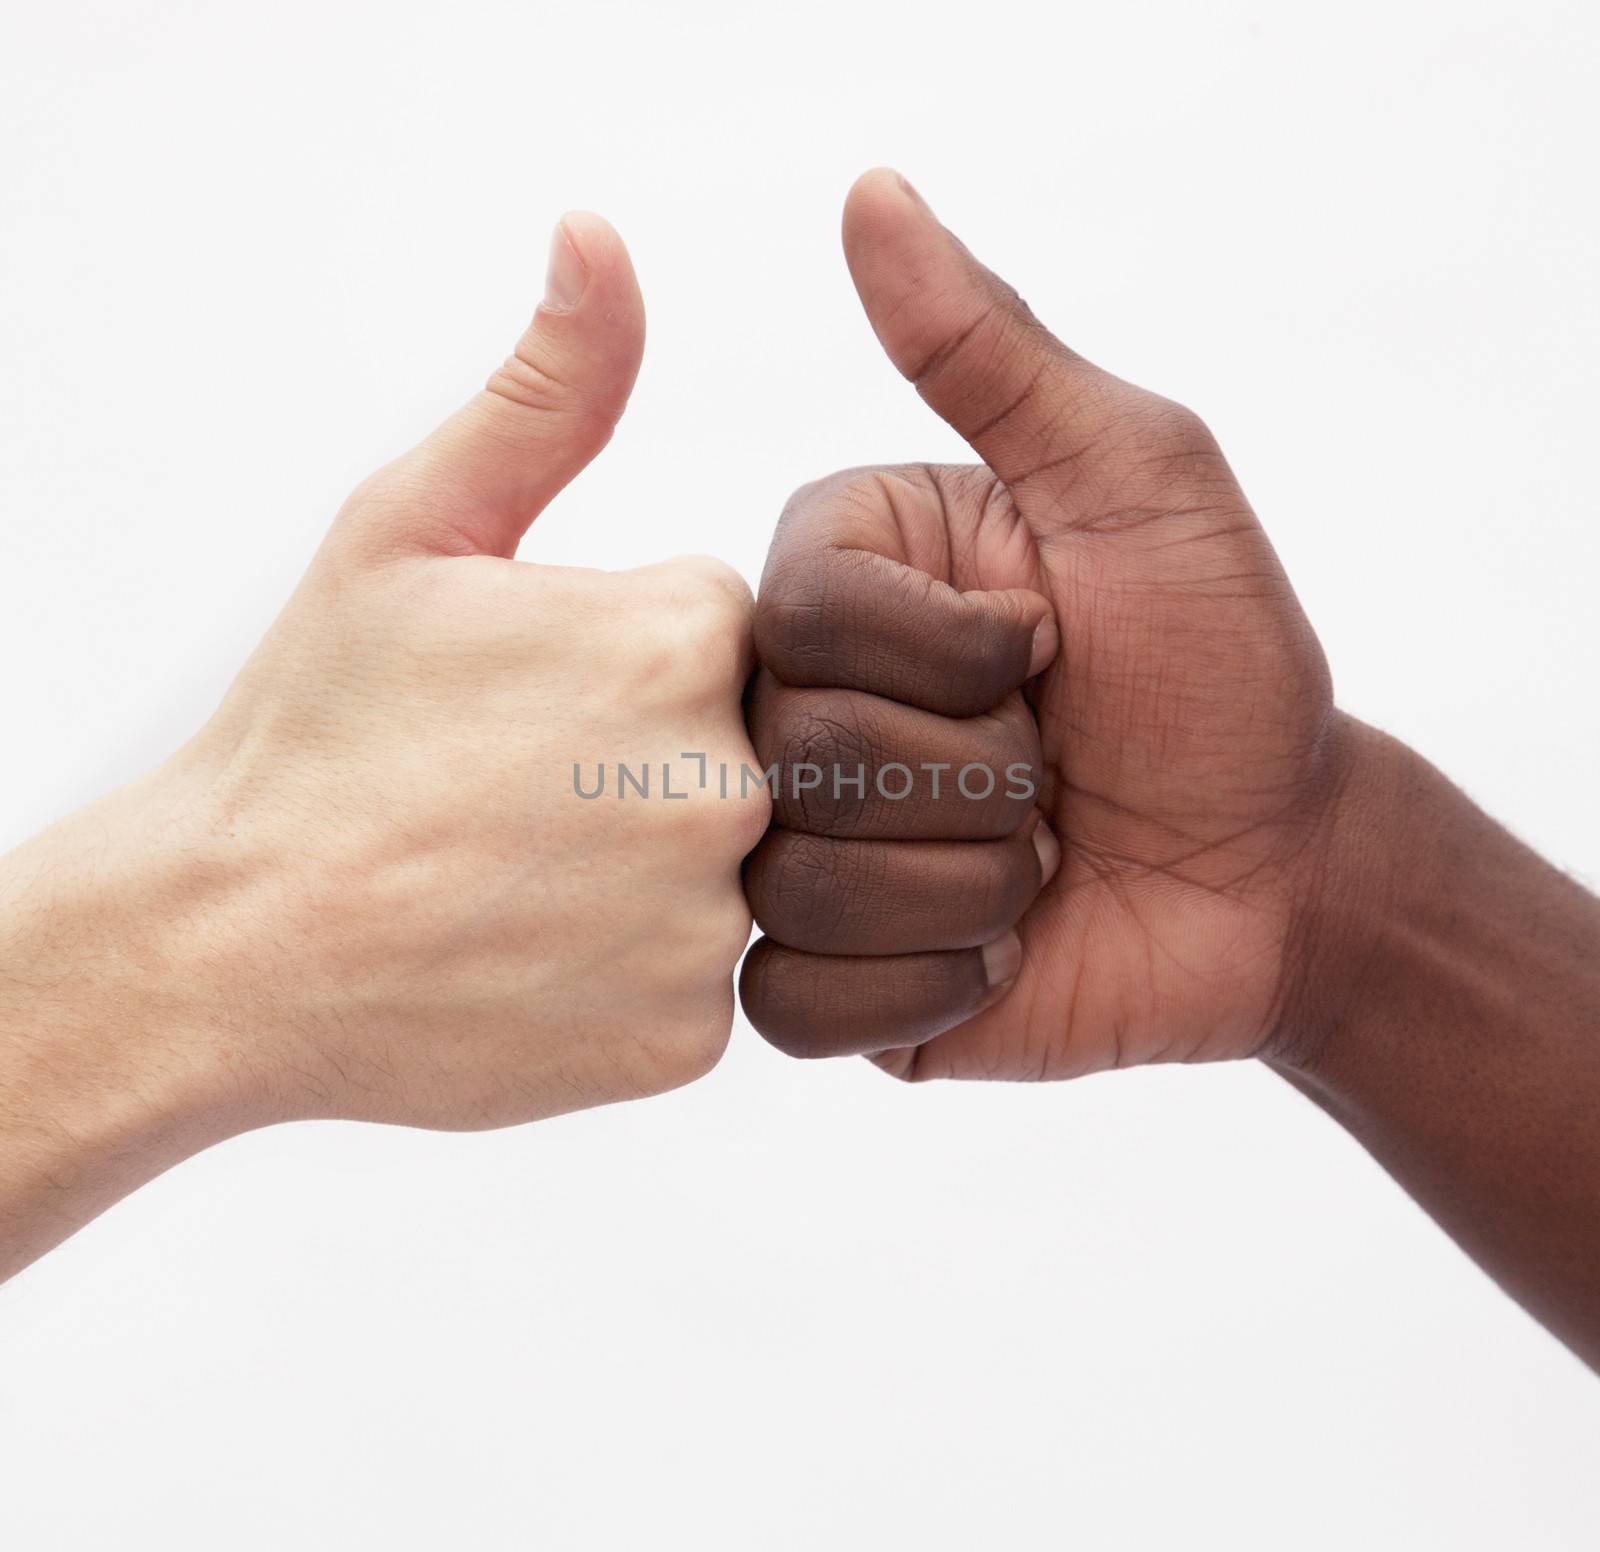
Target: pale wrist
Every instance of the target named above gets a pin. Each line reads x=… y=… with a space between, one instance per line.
x=110 y=1072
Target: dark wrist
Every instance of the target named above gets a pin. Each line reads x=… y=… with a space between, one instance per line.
x=1381 y=841
x=1443 y=1006
x=1425 y=932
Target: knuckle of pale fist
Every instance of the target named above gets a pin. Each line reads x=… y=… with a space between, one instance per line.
x=706 y=806
x=703 y=1042
x=752 y=808
x=697 y=629
x=683 y=1046
x=702 y=1045
x=711 y=582
x=728 y=933
x=691 y=967
x=721 y=831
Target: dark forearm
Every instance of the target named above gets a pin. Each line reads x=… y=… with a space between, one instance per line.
x=1449 y=1017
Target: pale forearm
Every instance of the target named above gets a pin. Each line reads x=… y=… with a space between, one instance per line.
x=106 y=1077
x=74 y=1138
x=1465 y=1049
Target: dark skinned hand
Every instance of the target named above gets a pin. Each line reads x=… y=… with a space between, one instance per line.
x=1094 y=599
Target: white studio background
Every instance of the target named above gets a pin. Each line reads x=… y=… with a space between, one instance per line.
x=248 y=252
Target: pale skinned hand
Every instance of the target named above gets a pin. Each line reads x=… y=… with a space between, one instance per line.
x=367 y=888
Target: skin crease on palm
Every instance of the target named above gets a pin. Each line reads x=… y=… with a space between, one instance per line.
x=1189 y=739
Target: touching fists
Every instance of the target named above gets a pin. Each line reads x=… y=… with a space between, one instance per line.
x=1103 y=557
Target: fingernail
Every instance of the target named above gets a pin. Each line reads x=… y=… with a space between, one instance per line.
x=566 y=277
x=1049 y=850
x=1046 y=643
x=1002 y=959
x=910 y=188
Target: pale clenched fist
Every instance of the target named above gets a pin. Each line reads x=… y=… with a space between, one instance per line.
x=370 y=887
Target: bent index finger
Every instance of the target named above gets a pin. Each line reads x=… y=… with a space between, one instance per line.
x=841 y=607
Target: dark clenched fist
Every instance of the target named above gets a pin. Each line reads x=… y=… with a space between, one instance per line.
x=1095 y=605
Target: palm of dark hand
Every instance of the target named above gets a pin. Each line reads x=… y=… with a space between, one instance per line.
x=1186 y=733
x=1189 y=743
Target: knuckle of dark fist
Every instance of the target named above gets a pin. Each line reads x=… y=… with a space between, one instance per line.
x=796 y=623
x=797 y=885
x=781 y=1001
x=811 y=740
